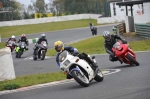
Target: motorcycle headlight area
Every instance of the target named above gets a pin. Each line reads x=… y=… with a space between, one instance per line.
x=66 y=63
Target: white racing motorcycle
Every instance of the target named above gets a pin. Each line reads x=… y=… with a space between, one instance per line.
x=79 y=69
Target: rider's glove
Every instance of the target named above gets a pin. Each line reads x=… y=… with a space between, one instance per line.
x=124 y=42
x=81 y=56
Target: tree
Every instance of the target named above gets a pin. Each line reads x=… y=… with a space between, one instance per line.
x=81 y=6
x=12 y=10
x=39 y=6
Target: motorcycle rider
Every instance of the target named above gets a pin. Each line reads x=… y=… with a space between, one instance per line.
x=12 y=38
x=92 y=27
x=24 y=39
x=110 y=40
x=59 y=47
x=42 y=38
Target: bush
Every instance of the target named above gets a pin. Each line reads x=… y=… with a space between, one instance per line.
x=11 y=86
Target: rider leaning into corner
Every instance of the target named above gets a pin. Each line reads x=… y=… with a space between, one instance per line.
x=59 y=47
x=110 y=40
x=12 y=38
x=24 y=39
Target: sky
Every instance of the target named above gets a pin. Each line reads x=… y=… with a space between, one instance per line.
x=27 y=2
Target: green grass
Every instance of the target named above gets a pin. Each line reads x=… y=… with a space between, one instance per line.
x=95 y=45
x=148 y=23
x=44 y=27
x=2 y=44
x=29 y=80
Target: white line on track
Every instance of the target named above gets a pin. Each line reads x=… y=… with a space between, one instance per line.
x=105 y=72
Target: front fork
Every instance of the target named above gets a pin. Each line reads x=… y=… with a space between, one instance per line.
x=77 y=69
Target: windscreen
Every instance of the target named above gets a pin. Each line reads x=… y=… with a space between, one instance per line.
x=62 y=56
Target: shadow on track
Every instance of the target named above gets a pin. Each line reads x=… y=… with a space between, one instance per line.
x=122 y=66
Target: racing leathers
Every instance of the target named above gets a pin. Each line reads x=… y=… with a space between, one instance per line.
x=93 y=28
x=11 y=39
x=109 y=44
x=74 y=52
x=37 y=44
x=24 y=39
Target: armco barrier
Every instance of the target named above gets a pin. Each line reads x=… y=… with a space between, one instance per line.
x=143 y=30
x=6 y=65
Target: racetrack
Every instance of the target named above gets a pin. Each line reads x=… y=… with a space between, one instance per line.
x=132 y=82
x=23 y=67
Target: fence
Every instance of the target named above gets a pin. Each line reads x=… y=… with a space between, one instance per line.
x=121 y=28
x=143 y=30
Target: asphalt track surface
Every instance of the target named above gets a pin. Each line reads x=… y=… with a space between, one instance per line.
x=24 y=67
x=132 y=82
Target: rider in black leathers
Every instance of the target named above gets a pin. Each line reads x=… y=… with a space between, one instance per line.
x=24 y=39
x=59 y=47
x=42 y=38
x=110 y=40
x=93 y=28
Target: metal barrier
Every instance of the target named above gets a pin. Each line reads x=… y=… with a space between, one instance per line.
x=143 y=30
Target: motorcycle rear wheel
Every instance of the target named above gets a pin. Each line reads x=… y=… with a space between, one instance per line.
x=129 y=57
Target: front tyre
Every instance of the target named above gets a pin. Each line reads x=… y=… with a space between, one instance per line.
x=20 y=53
x=34 y=57
x=43 y=55
x=99 y=76
x=82 y=80
x=130 y=58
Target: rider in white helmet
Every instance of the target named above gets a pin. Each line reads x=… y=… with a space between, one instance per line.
x=110 y=40
x=12 y=38
x=42 y=38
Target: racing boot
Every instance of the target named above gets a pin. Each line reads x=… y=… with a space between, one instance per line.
x=120 y=61
x=94 y=66
x=68 y=76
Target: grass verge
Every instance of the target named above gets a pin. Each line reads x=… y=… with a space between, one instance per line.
x=2 y=44
x=44 y=27
x=23 y=81
x=95 y=45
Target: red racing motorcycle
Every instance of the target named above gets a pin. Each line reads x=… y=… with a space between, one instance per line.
x=11 y=44
x=124 y=53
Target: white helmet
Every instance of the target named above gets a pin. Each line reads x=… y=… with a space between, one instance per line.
x=43 y=36
x=13 y=37
x=106 y=35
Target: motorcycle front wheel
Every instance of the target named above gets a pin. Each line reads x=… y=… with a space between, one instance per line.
x=20 y=53
x=99 y=76
x=34 y=57
x=129 y=57
x=43 y=55
x=82 y=80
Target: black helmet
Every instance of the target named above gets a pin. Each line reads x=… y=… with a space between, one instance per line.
x=106 y=35
x=90 y=24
